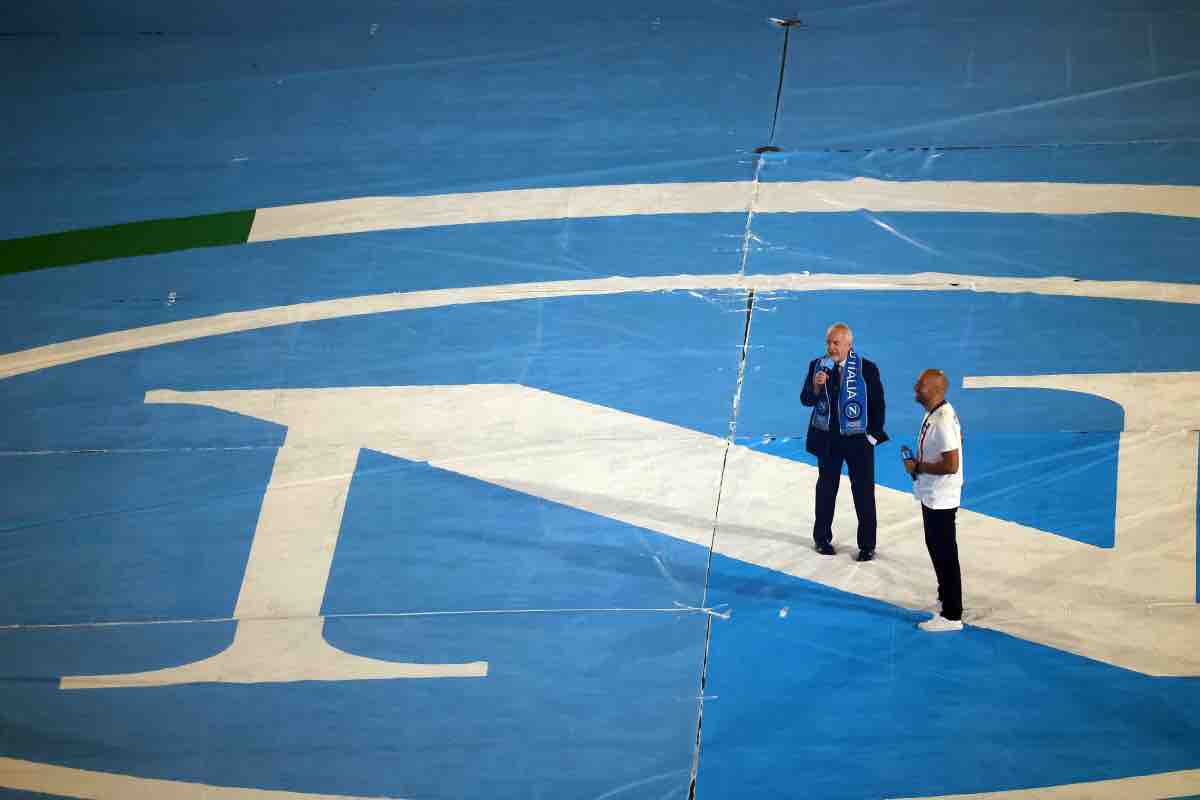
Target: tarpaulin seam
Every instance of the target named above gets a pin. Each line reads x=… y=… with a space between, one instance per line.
x=729 y=442
x=677 y=609
x=747 y=239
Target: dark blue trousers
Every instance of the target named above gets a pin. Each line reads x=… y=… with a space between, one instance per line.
x=859 y=457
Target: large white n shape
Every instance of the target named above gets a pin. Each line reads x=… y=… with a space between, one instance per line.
x=1132 y=606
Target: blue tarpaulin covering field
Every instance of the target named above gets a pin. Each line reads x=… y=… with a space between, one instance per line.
x=476 y=466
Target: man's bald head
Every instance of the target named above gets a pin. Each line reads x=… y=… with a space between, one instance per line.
x=937 y=379
x=931 y=388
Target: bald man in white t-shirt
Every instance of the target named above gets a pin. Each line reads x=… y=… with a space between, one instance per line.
x=937 y=472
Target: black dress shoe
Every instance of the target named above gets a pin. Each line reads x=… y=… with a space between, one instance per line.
x=825 y=549
x=865 y=555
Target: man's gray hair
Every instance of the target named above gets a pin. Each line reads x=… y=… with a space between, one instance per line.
x=839 y=326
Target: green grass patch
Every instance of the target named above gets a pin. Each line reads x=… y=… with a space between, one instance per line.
x=122 y=241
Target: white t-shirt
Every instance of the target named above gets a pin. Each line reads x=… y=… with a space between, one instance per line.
x=940 y=433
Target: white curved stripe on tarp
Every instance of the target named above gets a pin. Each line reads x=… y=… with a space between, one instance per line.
x=31 y=776
x=55 y=355
x=1143 y=787
x=363 y=214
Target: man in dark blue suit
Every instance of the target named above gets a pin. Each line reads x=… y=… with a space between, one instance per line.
x=846 y=394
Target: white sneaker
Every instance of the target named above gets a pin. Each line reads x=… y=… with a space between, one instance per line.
x=940 y=624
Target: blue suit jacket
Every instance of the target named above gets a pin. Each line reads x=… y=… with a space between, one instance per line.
x=817 y=441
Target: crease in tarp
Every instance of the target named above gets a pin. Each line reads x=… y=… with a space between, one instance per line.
x=621 y=790
x=891 y=229
x=678 y=608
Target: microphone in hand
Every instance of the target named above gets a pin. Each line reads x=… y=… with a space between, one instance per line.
x=822 y=371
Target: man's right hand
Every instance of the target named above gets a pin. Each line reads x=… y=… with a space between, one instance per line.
x=819 y=378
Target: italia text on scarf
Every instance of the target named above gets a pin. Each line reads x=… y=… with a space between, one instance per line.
x=852 y=400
